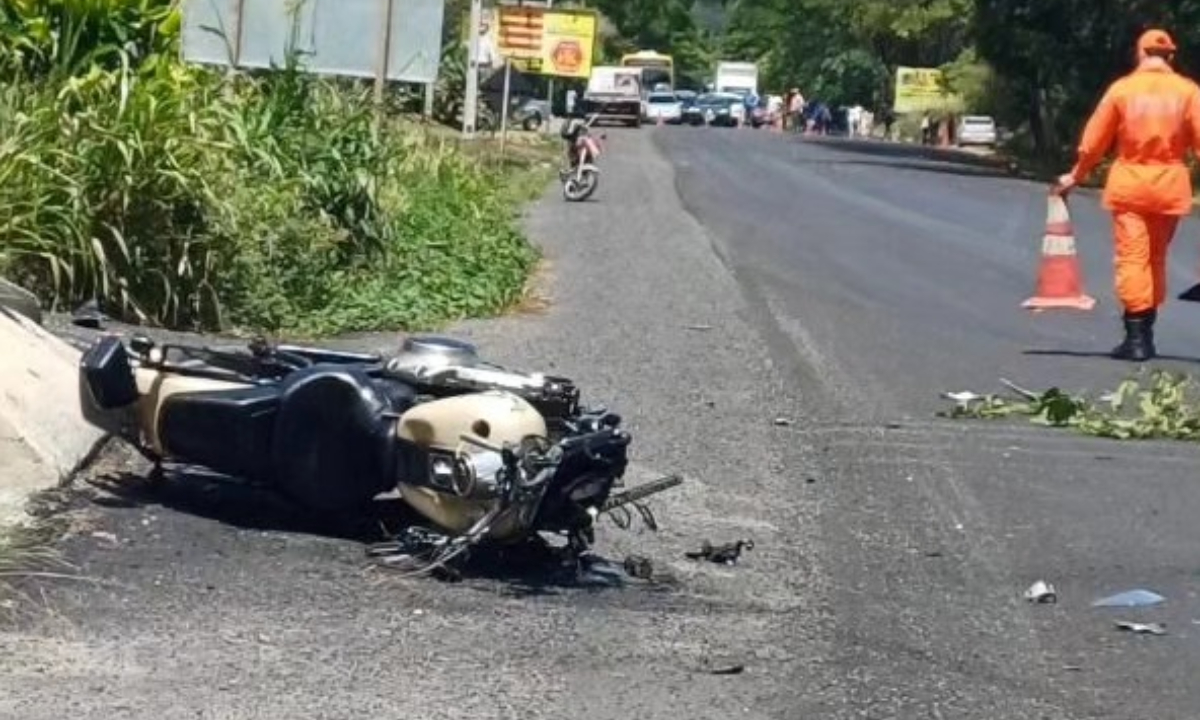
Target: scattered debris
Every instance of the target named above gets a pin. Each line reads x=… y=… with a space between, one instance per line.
x=105 y=536
x=1156 y=405
x=962 y=397
x=1142 y=628
x=1041 y=592
x=727 y=554
x=733 y=669
x=782 y=422
x=639 y=567
x=1132 y=598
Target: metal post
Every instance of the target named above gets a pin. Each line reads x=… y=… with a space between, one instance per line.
x=504 y=104
x=239 y=8
x=385 y=45
x=470 y=102
x=549 y=88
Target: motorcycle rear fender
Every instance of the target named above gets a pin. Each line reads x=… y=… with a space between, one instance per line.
x=127 y=400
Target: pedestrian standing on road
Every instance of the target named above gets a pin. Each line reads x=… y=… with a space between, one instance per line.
x=1152 y=115
x=796 y=110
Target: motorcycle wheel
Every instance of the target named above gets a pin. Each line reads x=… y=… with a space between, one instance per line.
x=576 y=190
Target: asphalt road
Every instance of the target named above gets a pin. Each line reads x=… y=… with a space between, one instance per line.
x=878 y=282
x=719 y=280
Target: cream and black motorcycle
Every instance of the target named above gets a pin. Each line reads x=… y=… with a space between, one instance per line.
x=482 y=453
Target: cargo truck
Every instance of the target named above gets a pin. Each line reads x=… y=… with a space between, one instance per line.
x=614 y=93
x=738 y=78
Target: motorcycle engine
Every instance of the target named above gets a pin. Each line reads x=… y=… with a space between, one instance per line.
x=443 y=366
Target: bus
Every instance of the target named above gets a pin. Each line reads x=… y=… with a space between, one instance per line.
x=656 y=68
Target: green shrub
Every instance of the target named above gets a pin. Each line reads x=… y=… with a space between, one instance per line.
x=271 y=203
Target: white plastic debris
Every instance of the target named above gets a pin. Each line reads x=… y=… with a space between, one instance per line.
x=1142 y=628
x=962 y=397
x=1041 y=592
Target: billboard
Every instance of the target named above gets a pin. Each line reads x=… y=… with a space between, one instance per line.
x=921 y=89
x=335 y=37
x=559 y=43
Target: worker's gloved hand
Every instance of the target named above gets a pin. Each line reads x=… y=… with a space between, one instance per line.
x=1064 y=184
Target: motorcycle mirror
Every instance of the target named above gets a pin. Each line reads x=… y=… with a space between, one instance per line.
x=141 y=344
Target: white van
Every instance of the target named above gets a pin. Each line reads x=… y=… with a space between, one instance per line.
x=977 y=130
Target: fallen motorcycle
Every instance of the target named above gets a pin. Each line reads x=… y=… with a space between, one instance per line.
x=581 y=176
x=481 y=453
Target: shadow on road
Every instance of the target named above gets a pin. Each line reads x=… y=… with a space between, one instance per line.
x=243 y=505
x=532 y=568
x=940 y=168
x=1104 y=355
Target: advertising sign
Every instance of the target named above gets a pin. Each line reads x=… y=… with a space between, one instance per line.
x=336 y=37
x=559 y=43
x=920 y=89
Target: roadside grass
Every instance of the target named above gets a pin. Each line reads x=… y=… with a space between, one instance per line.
x=27 y=553
x=274 y=202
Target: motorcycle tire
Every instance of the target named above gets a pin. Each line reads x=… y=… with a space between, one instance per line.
x=574 y=193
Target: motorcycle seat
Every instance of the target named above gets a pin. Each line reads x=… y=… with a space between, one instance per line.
x=333 y=442
x=225 y=430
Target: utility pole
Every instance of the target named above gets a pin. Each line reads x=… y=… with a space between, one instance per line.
x=549 y=87
x=470 y=102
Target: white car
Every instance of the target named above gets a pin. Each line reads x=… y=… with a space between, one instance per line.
x=663 y=105
x=977 y=130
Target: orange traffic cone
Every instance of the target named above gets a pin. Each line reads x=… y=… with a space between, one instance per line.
x=1060 y=280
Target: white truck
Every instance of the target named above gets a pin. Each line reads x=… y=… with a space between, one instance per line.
x=614 y=93
x=738 y=78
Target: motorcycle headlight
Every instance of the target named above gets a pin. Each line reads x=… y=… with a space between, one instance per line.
x=475 y=474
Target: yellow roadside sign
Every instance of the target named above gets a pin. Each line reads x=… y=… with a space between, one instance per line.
x=560 y=43
x=920 y=89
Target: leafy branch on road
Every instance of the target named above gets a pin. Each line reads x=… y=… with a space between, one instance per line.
x=1161 y=406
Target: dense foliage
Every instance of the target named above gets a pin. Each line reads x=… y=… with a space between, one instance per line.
x=1038 y=65
x=184 y=197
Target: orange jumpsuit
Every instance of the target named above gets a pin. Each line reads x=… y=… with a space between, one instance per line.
x=1153 y=115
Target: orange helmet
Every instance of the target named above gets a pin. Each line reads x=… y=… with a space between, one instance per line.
x=1155 y=40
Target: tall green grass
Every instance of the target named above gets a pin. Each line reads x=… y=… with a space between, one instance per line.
x=190 y=199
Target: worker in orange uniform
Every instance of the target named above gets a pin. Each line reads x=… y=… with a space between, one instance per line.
x=1153 y=115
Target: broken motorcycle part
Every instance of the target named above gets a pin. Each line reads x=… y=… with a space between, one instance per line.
x=1142 y=628
x=727 y=554
x=639 y=567
x=1041 y=592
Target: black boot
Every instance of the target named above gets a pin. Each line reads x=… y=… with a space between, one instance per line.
x=1138 y=345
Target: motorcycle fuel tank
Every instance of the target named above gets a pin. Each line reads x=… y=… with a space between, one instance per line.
x=497 y=417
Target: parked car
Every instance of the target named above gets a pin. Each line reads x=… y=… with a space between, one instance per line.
x=664 y=106
x=531 y=114
x=724 y=110
x=693 y=111
x=977 y=130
